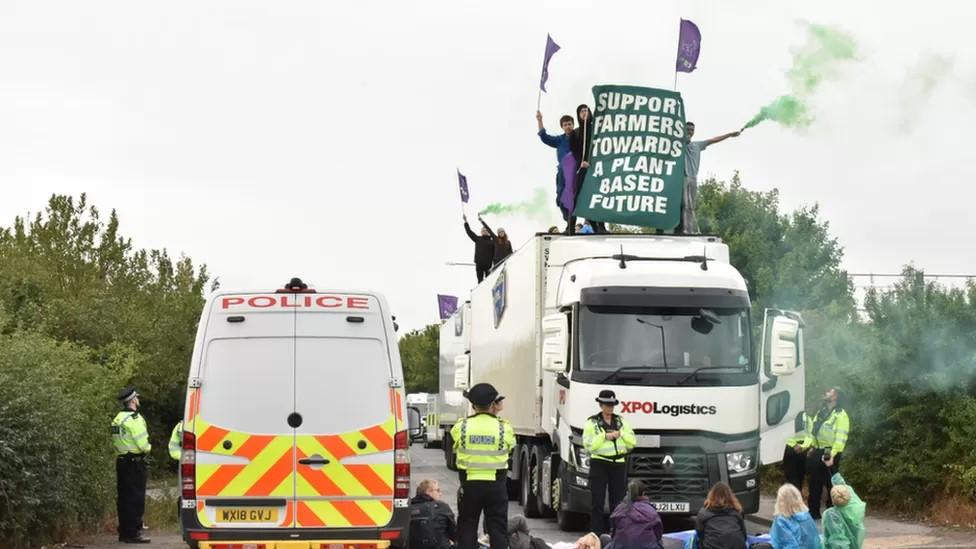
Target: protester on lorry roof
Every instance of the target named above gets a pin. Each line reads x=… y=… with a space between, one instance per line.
x=503 y=247
x=580 y=146
x=484 y=248
x=563 y=145
x=689 y=200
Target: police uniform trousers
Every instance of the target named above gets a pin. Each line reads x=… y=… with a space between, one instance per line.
x=819 y=478
x=605 y=475
x=490 y=497
x=794 y=467
x=130 y=472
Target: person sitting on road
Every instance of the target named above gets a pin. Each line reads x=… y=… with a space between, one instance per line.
x=519 y=537
x=843 y=523
x=719 y=524
x=635 y=523
x=793 y=527
x=432 y=524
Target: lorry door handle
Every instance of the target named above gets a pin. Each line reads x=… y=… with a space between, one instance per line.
x=314 y=461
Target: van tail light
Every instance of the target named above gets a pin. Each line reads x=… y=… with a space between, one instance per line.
x=401 y=465
x=188 y=466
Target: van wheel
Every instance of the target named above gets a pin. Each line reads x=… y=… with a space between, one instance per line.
x=531 y=503
x=450 y=458
x=568 y=521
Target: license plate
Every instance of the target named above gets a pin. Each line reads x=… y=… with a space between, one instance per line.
x=247 y=514
x=671 y=507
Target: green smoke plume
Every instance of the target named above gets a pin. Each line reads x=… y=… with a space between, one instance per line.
x=537 y=206
x=813 y=63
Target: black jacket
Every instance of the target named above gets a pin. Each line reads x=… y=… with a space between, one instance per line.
x=484 y=246
x=443 y=523
x=720 y=529
x=502 y=250
x=582 y=138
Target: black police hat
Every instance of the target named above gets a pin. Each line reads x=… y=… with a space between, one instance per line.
x=608 y=397
x=127 y=394
x=482 y=394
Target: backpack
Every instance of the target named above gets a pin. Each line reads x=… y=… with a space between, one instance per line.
x=422 y=533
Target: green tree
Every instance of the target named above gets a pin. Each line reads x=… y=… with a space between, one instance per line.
x=419 y=354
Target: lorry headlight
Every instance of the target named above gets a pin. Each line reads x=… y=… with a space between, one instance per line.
x=741 y=462
x=582 y=459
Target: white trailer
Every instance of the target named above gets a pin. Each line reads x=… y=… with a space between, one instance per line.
x=665 y=322
x=454 y=345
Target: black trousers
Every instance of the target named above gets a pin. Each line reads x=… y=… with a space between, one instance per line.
x=605 y=476
x=482 y=270
x=130 y=474
x=598 y=226
x=794 y=467
x=490 y=497
x=819 y=478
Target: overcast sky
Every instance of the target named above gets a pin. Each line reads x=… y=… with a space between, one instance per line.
x=320 y=139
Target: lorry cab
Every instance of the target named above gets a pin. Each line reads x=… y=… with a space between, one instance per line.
x=295 y=423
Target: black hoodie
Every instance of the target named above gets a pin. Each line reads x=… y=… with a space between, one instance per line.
x=580 y=143
x=484 y=246
x=721 y=528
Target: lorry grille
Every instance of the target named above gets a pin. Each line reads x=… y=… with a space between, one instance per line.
x=687 y=475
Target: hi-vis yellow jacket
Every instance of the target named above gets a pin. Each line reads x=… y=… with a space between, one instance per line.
x=596 y=443
x=130 y=434
x=482 y=443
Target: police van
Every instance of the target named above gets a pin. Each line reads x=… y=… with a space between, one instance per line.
x=295 y=429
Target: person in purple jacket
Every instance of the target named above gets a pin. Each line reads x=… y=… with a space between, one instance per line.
x=635 y=523
x=563 y=145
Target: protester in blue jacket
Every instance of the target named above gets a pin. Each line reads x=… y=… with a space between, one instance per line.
x=563 y=145
x=793 y=527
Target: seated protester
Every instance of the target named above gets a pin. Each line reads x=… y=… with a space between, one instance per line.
x=432 y=524
x=843 y=523
x=635 y=524
x=793 y=527
x=719 y=524
x=518 y=535
x=589 y=541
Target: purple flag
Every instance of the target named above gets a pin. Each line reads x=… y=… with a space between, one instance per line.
x=568 y=197
x=463 y=185
x=689 y=45
x=446 y=305
x=551 y=49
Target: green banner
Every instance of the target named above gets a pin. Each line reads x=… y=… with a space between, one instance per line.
x=637 y=166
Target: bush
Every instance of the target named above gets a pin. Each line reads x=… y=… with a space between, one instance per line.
x=56 y=457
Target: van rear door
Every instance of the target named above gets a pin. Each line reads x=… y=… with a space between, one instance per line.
x=240 y=415
x=345 y=443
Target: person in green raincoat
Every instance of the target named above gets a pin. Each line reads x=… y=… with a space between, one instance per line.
x=843 y=523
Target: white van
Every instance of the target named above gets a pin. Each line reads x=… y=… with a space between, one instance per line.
x=295 y=425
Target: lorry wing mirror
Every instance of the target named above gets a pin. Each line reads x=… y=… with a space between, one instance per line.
x=555 y=332
x=783 y=346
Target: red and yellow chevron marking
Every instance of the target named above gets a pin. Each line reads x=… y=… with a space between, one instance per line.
x=365 y=489
x=396 y=404
x=192 y=405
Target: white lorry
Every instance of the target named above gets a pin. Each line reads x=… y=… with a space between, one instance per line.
x=450 y=406
x=665 y=322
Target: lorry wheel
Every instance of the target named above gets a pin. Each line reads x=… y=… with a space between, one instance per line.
x=539 y=454
x=568 y=521
x=530 y=500
x=450 y=458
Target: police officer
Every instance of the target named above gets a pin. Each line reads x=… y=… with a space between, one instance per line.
x=608 y=439
x=483 y=443
x=826 y=442
x=176 y=441
x=131 y=440
x=794 y=454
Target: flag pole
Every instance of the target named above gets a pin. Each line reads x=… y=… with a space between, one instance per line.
x=538 y=101
x=675 y=86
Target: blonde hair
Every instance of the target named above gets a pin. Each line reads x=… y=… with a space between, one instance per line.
x=589 y=541
x=426 y=486
x=840 y=495
x=789 y=501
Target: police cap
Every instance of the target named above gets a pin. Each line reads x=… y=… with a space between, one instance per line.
x=607 y=397
x=482 y=394
x=127 y=394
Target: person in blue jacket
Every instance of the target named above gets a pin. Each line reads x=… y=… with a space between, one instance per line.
x=793 y=527
x=563 y=145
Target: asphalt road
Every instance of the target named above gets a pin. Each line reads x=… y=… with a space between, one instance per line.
x=429 y=463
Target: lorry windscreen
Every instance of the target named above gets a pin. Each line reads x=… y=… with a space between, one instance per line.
x=664 y=346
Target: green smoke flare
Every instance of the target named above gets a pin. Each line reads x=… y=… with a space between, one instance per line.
x=536 y=207
x=812 y=64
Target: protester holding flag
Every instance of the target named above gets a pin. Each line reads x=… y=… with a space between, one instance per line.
x=580 y=145
x=689 y=199
x=484 y=248
x=566 y=162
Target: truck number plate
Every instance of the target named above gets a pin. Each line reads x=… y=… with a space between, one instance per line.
x=671 y=506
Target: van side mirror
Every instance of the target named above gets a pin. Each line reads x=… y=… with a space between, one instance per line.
x=555 y=335
x=783 y=346
x=415 y=426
